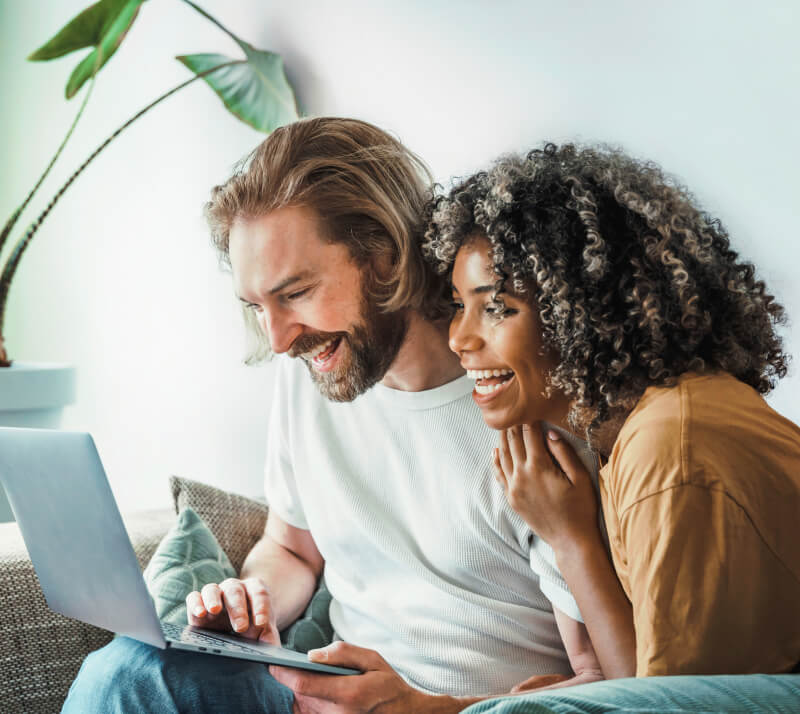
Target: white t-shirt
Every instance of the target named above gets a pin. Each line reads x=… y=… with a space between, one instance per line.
x=424 y=558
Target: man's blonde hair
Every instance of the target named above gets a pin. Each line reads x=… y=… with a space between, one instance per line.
x=367 y=190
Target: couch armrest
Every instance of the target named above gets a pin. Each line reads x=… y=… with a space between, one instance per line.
x=40 y=650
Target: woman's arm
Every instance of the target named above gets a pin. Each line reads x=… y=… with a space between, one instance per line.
x=560 y=506
x=603 y=604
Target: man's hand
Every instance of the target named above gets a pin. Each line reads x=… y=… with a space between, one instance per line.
x=239 y=605
x=379 y=690
x=547 y=485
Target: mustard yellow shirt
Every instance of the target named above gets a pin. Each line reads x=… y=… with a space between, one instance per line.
x=701 y=495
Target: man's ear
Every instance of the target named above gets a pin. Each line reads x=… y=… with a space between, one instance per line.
x=381 y=266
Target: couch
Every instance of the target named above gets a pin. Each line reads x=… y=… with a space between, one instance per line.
x=41 y=651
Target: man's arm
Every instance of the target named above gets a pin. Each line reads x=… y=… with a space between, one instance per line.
x=277 y=581
x=286 y=559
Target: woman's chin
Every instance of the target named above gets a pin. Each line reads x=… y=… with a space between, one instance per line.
x=497 y=421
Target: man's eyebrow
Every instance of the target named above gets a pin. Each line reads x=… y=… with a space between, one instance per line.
x=305 y=274
x=290 y=281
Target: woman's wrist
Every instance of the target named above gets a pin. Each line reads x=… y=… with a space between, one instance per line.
x=578 y=549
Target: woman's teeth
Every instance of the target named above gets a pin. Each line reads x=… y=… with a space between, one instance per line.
x=488 y=380
x=486 y=373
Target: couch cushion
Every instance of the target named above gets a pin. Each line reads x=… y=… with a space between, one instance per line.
x=187 y=558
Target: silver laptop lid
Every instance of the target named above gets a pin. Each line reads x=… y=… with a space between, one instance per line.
x=75 y=536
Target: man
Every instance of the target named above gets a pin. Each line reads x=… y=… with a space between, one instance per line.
x=377 y=465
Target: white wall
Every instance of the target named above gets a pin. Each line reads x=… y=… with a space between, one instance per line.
x=122 y=282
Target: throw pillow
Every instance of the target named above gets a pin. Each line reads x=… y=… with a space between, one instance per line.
x=187 y=558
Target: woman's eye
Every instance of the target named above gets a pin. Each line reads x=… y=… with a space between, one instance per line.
x=253 y=307
x=457 y=306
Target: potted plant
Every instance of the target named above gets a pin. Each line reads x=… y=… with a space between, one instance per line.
x=253 y=88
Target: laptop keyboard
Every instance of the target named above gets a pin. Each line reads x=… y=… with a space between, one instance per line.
x=181 y=634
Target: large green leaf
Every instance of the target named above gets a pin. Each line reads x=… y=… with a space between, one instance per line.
x=102 y=26
x=255 y=90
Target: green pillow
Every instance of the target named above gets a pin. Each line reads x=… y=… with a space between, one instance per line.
x=187 y=558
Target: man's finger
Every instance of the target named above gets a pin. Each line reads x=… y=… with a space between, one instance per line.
x=331 y=687
x=195 y=609
x=537 y=681
x=259 y=601
x=235 y=601
x=343 y=654
x=212 y=598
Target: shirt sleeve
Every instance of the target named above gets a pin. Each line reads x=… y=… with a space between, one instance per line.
x=551 y=582
x=280 y=485
x=700 y=577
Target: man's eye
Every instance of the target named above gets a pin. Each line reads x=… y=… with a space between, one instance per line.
x=298 y=294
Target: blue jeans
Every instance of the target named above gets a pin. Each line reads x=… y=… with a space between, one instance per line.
x=732 y=694
x=127 y=677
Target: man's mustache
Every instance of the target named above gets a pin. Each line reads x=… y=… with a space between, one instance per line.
x=305 y=343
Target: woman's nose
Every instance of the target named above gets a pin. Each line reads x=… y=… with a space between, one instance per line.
x=462 y=338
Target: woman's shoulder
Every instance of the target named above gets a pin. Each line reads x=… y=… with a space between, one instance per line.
x=707 y=430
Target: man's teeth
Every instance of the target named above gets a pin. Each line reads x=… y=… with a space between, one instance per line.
x=318 y=350
x=486 y=373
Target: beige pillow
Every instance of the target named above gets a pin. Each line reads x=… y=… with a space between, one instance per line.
x=237 y=522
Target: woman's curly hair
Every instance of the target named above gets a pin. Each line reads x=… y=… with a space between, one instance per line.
x=634 y=284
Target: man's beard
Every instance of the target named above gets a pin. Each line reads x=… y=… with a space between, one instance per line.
x=371 y=348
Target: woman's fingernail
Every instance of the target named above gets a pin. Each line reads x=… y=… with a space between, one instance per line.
x=261 y=620
x=199 y=611
x=318 y=655
x=553 y=436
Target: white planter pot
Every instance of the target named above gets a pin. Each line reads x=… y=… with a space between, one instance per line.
x=33 y=394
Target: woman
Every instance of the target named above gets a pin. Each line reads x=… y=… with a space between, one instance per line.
x=605 y=302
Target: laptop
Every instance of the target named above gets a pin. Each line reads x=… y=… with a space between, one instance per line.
x=80 y=549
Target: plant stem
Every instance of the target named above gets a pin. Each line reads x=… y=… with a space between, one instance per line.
x=15 y=216
x=215 y=21
x=16 y=255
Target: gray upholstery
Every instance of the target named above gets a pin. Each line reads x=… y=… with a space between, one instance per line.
x=41 y=651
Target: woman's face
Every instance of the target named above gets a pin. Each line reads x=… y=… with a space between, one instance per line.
x=505 y=356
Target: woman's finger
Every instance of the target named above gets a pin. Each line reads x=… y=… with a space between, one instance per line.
x=516 y=444
x=497 y=469
x=505 y=456
x=566 y=457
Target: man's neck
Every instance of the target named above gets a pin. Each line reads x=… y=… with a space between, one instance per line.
x=424 y=361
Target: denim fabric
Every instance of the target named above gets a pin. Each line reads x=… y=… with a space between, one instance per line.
x=740 y=694
x=127 y=676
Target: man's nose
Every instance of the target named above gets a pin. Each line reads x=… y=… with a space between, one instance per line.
x=281 y=329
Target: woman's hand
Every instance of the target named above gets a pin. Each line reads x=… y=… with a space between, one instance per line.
x=546 y=483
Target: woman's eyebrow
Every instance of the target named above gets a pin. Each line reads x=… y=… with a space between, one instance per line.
x=476 y=291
